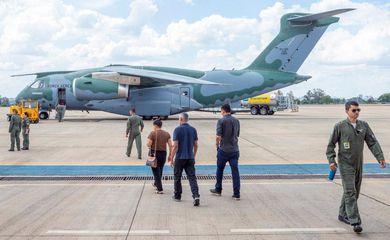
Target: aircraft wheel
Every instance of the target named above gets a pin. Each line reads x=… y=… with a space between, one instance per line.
x=263 y=111
x=43 y=115
x=254 y=110
x=164 y=117
x=147 y=118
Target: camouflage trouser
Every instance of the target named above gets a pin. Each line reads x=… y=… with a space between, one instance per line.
x=26 y=140
x=138 y=144
x=352 y=179
x=61 y=115
x=15 y=136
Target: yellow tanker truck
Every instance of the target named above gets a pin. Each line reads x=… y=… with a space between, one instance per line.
x=265 y=104
x=268 y=104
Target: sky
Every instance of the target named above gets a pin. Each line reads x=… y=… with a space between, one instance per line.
x=352 y=58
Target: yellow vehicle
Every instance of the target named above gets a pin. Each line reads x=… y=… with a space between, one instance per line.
x=268 y=104
x=26 y=106
x=265 y=104
x=264 y=99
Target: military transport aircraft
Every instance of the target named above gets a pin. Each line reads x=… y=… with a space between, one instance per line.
x=164 y=91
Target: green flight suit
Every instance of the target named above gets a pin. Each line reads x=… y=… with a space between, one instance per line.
x=134 y=125
x=60 y=112
x=26 y=133
x=350 y=161
x=14 y=130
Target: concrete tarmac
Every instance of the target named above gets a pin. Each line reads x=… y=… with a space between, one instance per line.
x=98 y=138
x=269 y=209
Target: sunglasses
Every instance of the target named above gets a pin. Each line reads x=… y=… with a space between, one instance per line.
x=356 y=110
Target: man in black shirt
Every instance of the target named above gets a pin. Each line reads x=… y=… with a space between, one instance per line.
x=228 y=131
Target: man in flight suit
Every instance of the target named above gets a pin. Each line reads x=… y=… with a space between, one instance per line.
x=14 y=130
x=135 y=125
x=26 y=132
x=350 y=135
x=60 y=108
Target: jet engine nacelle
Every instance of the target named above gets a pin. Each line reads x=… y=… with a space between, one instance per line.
x=87 y=88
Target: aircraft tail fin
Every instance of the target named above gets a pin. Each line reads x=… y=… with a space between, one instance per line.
x=299 y=33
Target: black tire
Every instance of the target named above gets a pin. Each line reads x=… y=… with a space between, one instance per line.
x=254 y=110
x=164 y=118
x=147 y=118
x=263 y=111
x=43 y=115
x=270 y=112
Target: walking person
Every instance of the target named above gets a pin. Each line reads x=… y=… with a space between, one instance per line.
x=158 y=140
x=350 y=135
x=185 y=147
x=15 y=126
x=228 y=131
x=26 y=132
x=60 y=109
x=135 y=126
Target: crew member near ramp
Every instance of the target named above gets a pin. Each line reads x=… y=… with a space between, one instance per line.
x=15 y=126
x=60 y=108
x=350 y=135
x=26 y=132
x=135 y=126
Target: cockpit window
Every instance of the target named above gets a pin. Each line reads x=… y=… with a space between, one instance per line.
x=37 y=84
x=29 y=104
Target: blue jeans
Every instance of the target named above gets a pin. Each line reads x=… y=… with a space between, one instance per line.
x=222 y=159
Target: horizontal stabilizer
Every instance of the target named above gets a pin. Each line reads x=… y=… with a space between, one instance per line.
x=318 y=16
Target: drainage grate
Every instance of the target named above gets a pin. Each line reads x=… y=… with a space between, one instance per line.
x=171 y=177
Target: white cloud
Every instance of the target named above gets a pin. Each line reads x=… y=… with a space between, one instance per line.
x=55 y=35
x=189 y=2
x=214 y=29
x=141 y=12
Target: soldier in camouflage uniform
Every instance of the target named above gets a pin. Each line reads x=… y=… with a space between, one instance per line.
x=60 y=108
x=134 y=128
x=26 y=132
x=350 y=135
x=14 y=130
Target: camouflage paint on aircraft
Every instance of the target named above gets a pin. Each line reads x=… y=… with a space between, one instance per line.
x=163 y=91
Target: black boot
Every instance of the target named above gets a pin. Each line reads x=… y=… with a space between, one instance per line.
x=357 y=228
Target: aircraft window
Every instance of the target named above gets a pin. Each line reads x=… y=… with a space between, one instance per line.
x=35 y=84
x=41 y=84
x=185 y=93
x=29 y=104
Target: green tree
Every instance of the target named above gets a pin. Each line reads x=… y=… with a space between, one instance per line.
x=384 y=98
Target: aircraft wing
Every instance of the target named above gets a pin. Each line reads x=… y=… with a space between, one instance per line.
x=41 y=74
x=134 y=76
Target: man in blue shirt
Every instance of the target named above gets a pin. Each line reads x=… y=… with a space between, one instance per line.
x=228 y=131
x=185 y=147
